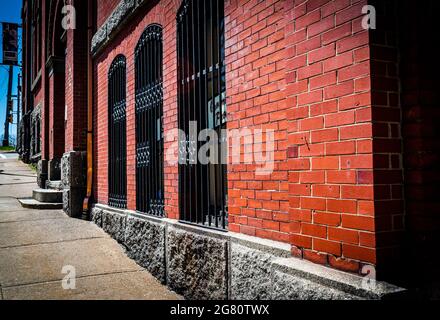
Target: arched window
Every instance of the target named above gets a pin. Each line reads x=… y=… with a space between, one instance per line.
x=202 y=101
x=117 y=175
x=149 y=128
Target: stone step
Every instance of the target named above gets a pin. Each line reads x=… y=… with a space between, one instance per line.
x=48 y=196
x=37 y=205
x=54 y=185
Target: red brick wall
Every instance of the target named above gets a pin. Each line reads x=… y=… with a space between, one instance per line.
x=164 y=14
x=40 y=92
x=56 y=116
x=263 y=200
x=69 y=89
x=76 y=83
x=256 y=82
x=406 y=157
x=386 y=116
x=330 y=134
x=420 y=99
x=308 y=70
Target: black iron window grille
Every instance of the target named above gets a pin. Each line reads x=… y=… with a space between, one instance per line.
x=149 y=123
x=117 y=174
x=202 y=98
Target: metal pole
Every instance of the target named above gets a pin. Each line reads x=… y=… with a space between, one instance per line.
x=8 y=111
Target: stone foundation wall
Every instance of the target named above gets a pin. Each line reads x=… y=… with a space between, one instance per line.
x=203 y=264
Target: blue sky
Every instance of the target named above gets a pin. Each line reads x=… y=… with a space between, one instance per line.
x=10 y=11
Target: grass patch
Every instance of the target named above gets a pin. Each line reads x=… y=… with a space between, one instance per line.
x=7 y=148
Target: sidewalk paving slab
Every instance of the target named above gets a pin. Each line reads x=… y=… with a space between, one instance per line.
x=45 y=262
x=30 y=215
x=120 y=286
x=35 y=246
x=25 y=233
x=12 y=206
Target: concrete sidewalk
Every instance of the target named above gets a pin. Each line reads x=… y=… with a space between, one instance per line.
x=35 y=246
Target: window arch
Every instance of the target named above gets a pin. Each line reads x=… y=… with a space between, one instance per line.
x=117 y=176
x=202 y=98
x=149 y=128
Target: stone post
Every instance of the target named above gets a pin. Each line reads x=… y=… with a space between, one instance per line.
x=73 y=180
x=42 y=174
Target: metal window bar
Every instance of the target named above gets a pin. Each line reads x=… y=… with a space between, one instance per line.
x=117 y=176
x=149 y=123
x=201 y=98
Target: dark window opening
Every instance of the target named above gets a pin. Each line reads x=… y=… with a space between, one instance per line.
x=117 y=134
x=202 y=98
x=149 y=123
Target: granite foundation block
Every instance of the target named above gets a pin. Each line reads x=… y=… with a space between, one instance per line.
x=96 y=216
x=73 y=182
x=54 y=170
x=203 y=264
x=144 y=242
x=250 y=274
x=197 y=265
x=42 y=173
x=288 y=287
x=114 y=224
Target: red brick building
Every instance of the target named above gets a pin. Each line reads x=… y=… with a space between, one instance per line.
x=343 y=91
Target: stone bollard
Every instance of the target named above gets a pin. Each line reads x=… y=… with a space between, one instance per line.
x=73 y=180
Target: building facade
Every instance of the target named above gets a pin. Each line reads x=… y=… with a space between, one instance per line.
x=54 y=127
x=318 y=117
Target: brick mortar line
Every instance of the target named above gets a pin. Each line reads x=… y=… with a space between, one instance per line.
x=78 y=277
